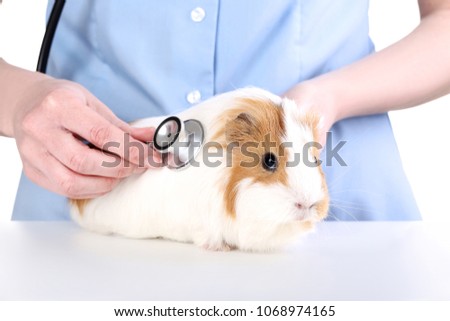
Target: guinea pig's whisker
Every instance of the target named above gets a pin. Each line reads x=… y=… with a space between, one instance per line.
x=343 y=210
x=348 y=227
x=343 y=173
x=333 y=216
x=338 y=178
x=343 y=201
x=351 y=205
x=356 y=190
x=337 y=219
x=233 y=86
x=348 y=209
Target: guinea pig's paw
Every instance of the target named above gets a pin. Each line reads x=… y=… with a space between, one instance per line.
x=224 y=247
x=308 y=226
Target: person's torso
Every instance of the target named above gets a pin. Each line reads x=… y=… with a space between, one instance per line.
x=150 y=57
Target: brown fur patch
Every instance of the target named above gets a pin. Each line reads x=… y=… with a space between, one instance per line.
x=255 y=127
x=312 y=121
x=307 y=225
x=323 y=206
x=80 y=204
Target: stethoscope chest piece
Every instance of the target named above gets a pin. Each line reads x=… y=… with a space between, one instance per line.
x=178 y=142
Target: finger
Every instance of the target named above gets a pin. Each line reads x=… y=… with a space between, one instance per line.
x=39 y=178
x=144 y=134
x=66 y=182
x=81 y=159
x=100 y=132
x=107 y=113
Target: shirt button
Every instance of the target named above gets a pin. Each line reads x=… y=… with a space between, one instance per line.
x=198 y=14
x=194 y=97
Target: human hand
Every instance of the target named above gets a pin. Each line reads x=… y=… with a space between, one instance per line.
x=309 y=97
x=50 y=118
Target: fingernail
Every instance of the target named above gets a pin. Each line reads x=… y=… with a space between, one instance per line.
x=154 y=159
x=139 y=170
x=155 y=162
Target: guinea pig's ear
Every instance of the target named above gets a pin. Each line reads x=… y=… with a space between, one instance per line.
x=246 y=118
x=241 y=128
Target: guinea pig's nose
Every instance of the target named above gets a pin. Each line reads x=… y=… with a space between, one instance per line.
x=302 y=206
x=299 y=206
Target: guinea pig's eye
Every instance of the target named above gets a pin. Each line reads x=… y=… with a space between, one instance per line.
x=270 y=162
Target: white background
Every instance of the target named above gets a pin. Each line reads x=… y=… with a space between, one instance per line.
x=420 y=131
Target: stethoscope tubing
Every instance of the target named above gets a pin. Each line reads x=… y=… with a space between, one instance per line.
x=52 y=24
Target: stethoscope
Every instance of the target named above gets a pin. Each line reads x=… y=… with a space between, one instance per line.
x=177 y=141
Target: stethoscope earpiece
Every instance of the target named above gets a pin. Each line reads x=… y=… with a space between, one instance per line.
x=178 y=142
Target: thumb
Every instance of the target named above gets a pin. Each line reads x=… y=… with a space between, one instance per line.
x=144 y=134
x=107 y=113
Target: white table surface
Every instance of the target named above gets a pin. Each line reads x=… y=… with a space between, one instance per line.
x=340 y=261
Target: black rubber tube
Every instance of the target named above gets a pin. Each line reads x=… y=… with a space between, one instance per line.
x=49 y=34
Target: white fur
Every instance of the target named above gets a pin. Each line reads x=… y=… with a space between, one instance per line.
x=305 y=181
x=188 y=205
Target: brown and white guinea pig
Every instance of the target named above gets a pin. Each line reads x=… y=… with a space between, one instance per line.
x=256 y=198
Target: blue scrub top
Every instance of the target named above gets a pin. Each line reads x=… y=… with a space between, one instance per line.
x=148 y=57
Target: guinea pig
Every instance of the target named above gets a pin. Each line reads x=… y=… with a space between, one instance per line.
x=249 y=195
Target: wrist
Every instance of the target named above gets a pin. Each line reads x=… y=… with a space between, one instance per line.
x=312 y=95
x=326 y=92
x=15 y=85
